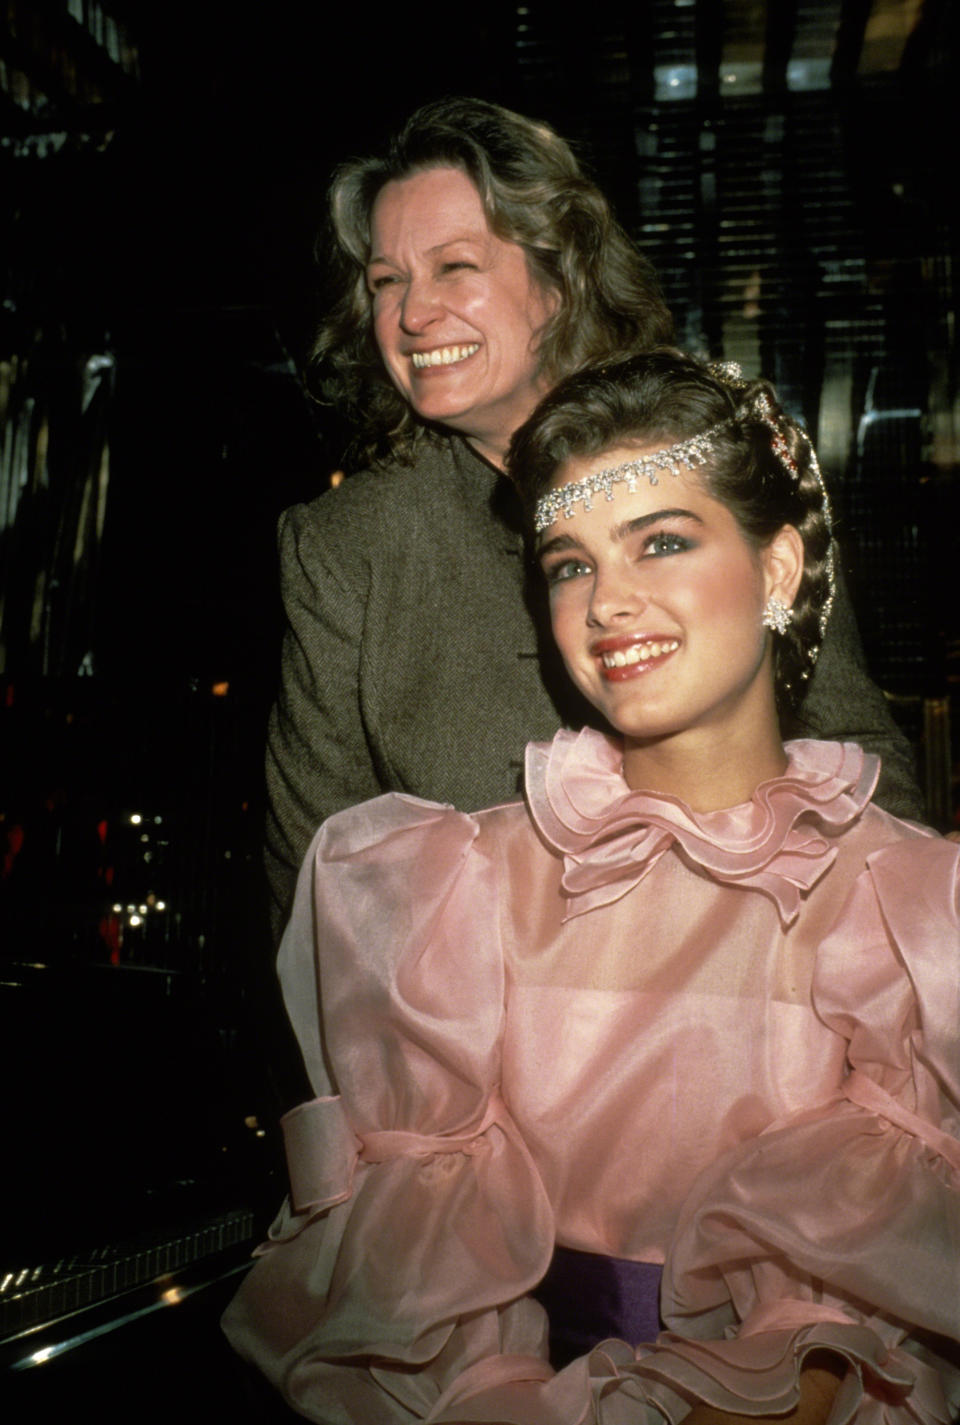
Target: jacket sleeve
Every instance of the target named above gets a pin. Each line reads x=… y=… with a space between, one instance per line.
x=318 y=758
x=845 y=705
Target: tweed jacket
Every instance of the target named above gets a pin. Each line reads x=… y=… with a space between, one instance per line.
x=418 y=656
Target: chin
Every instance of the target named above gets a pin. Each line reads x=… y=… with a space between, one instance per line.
x=639 y=720
x=444 y=412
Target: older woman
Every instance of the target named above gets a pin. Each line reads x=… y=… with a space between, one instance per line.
x=479 y=266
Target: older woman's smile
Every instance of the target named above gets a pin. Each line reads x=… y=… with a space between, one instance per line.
x=443 y=356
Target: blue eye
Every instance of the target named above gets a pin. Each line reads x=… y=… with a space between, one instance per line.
x=564 y=570
x=665 y=543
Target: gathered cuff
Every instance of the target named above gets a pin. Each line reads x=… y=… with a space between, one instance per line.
x=321 y=1150
x=380 y=1146
x=866 y=1093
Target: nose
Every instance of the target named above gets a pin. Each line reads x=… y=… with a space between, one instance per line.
x=617 y=595
x=420 y=306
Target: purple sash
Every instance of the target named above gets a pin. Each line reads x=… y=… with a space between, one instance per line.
x=589 y=1298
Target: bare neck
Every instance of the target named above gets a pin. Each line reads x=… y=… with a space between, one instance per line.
x=709 y=772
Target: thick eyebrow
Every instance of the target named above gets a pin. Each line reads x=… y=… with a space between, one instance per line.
x=557 y=544
x=623 y=531
x=619 y=532
x=471 y=236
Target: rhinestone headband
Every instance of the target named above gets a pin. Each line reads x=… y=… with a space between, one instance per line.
x=690 y=453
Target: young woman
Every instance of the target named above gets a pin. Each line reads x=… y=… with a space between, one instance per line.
x=673 y=1046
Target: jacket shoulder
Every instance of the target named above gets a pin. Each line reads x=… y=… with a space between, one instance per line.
x=389 y=491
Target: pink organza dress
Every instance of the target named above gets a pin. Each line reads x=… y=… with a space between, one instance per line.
x=724 y=1043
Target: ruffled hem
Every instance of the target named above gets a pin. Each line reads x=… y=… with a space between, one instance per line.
x=781 y=842
x=754 y=1374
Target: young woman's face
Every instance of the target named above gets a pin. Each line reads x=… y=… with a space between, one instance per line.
x=656 y=601
x=456 y=314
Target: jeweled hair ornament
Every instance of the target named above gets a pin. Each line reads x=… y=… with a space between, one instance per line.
x=762 y=408
x=690 y=453
x=562 y=501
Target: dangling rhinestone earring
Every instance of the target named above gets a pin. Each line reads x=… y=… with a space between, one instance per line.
x=776 y=616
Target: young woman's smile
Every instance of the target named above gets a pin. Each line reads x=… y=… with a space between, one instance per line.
x=656 y=602
x=626 y=658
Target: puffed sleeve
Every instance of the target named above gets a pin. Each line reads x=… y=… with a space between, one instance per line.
x=397 y=1274
x=840 y=1227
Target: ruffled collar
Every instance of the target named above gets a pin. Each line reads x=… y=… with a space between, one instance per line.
x=780 y=842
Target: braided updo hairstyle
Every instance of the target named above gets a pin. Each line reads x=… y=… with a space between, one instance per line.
x=762 y=466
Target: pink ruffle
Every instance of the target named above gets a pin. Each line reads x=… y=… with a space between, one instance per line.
x=610 y=837
x=745 y=1375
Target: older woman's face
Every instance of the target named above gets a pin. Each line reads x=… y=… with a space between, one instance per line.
x=456 y=313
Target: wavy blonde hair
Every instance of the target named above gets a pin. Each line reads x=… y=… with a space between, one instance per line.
x=535 y=194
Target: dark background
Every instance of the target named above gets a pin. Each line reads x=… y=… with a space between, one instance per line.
x=162 y=171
